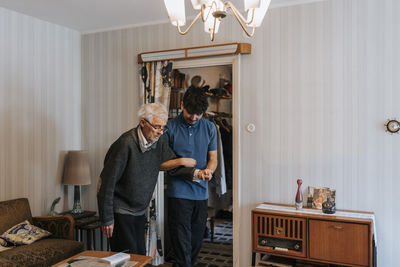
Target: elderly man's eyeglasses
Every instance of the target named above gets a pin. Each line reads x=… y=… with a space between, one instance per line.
x=157 y=127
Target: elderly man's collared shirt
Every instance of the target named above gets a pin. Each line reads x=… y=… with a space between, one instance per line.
x=144 y=144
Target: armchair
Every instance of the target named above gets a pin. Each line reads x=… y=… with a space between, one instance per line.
x=44 y=252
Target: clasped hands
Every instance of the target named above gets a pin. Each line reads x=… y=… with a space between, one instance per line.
x=204 y=175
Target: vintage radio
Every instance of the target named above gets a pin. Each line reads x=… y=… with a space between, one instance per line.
x=279 y=234
x=282 y=244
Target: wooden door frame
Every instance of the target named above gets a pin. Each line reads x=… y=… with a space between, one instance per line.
x=236 y=192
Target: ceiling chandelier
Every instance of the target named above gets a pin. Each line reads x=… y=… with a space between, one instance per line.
x=213 y=11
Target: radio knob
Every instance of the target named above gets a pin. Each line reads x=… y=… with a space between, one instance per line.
x=297 y=246
x=263 y=242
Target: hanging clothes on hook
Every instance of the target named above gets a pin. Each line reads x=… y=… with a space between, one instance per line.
x=219 y=179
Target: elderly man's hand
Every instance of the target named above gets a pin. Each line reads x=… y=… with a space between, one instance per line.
x=107 y=230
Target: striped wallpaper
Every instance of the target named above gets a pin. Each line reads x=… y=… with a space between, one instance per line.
x=40 y=108
x=319 y=85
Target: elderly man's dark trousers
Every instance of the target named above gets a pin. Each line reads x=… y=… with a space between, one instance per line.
x=187 y=222
x=128 y=234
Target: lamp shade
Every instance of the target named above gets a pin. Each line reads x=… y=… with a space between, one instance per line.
x=197 y=4
x=176 y=11
x=76 y=168
x=259 y=13
x=251 y=4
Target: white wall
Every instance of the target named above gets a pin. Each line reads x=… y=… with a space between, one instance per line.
x=319 y=85
x=40 y=107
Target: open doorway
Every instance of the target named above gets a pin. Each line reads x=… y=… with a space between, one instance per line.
x=218 y=81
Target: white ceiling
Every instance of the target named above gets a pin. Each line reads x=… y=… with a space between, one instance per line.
x=100 y=15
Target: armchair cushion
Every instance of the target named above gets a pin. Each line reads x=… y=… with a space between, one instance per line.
x=45 y=252
x=6 y=263
x=24 y=234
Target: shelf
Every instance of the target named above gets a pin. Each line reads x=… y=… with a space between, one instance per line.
x=196 y=52
x=179 y=90
x=218 y=97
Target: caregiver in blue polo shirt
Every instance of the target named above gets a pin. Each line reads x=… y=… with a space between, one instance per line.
x=190 y=136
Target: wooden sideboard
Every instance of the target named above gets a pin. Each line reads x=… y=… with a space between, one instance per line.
x=344 y=238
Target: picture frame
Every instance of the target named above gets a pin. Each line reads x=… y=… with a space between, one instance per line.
x=318 y=195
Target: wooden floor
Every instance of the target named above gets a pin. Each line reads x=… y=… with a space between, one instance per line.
x=161 y=265
x=217 y=253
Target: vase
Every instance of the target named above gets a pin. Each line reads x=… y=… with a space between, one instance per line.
x=329 y=206
x=299 y=195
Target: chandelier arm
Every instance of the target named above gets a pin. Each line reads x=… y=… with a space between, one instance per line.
x=190 y=26
x=203 y=7
x=238 y=14
x=213 y=30
x=244 y=26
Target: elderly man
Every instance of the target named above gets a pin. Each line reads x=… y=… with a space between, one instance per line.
x=129 y=176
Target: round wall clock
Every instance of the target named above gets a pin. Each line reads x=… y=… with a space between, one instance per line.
x=393 y=126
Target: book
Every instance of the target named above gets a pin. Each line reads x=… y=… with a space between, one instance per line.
x=116 y=260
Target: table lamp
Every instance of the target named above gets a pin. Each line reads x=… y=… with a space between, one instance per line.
x=76 y=173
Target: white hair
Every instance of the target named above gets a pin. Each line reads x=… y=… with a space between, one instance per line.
x=148 y=111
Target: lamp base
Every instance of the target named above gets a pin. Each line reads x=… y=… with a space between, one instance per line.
x=77 y=209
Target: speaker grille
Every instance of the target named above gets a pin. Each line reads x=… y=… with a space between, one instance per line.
x=279 y=226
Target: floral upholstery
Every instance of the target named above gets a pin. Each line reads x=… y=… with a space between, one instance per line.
x=59 y=226
x=6 y=263
x=13 y=212
x=44 y=252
